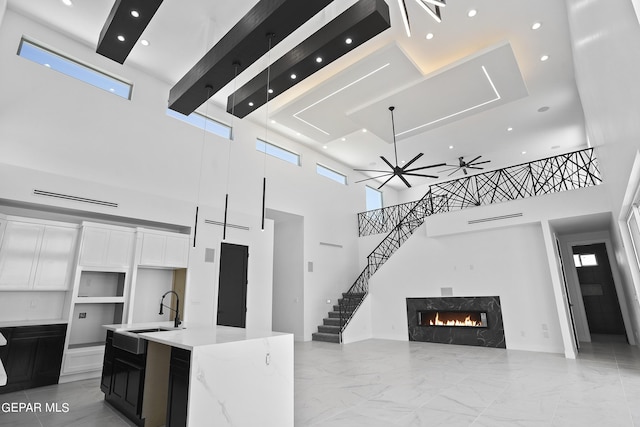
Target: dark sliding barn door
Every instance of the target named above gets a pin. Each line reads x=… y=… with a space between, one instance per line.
x=232 y=288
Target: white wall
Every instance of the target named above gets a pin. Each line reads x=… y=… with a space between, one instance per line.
x=607 y=67
x=288 y=275
x=508 y=262
x=151 y=284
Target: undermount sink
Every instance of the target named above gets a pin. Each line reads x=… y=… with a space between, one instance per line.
x=132 y=342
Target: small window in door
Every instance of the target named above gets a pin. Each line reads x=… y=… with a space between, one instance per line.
x=585 y=260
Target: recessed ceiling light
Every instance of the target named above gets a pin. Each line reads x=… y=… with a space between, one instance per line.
x=343 y=139
x=121 y=37
x=349 y=40
x=135 y=13
x=524 y=152
x=451 y=147
x=536 y=25
x=112 y=89
x=403 y=161
x=509 y=129
x=472 y=13
x=67 y=2
x=543 y=109
x=144 y=42
x=297 y=133
x=325 y=147
x=429 y=36
x=544 y=58
x=293 y=76
x=364 y=130
x=273 y=121
x=318 y=59
x=250 y=104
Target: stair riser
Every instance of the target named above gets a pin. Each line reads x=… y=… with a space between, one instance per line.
x=333 y=338
x=329 y=329
x=331 y=322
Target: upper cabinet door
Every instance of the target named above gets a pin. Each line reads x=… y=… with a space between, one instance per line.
x=18 y=254
x=104 y=247
x=176 y=253
x=55 y=263
x=169 y=250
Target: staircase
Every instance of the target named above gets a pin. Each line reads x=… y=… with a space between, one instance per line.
x=564 y=172
x=332 y=325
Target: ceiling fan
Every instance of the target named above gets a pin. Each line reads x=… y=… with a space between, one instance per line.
x=471 y=164
x=396 y=170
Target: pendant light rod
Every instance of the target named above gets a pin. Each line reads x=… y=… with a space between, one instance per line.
x=393 y=130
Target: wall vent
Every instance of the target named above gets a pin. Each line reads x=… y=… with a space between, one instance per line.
x=74 y=198
x=221 y=224
x=495 y=218
x=333 y=245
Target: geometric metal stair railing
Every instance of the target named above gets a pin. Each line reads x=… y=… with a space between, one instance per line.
x=403 y=229
x=568 y=171
x=551 y=175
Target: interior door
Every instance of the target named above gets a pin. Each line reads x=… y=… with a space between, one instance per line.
x=566 y=291
x=232 y=288
x=598 y=290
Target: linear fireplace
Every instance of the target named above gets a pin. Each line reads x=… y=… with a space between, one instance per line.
x=461 y=319
x=456 y=320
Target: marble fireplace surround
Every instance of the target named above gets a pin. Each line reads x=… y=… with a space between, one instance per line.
x=491 y=336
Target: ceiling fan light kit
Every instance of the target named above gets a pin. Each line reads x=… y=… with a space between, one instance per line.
x=462 y=165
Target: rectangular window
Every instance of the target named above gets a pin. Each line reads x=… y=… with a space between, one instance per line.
x=74 y=68
x=279 y=152
x=374 y=198
x=585 y=260
x=331 y=174
x=203 y=122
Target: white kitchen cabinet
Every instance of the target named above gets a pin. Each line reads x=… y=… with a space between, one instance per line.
x=56 y=259
x=163 y=249
x=35 y=256
x=106 y=246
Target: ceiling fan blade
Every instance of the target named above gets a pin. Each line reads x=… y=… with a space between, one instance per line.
x=454 y=171
x=473 y=160
x=449 y=169
x=387 y=162
x=481 y=163
x=374 y=177
x=412 y=160
x=422 y=175
x=426 y=167
x=383 y=184
x=473 y=167
x=405 y=181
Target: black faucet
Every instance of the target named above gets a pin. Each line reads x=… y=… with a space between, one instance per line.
x=176 y=320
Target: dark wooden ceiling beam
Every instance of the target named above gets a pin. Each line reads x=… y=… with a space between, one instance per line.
x=245 y=43
x=121 y=22
x=359 y=23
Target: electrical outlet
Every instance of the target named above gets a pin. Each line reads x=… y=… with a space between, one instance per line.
x=82 y=316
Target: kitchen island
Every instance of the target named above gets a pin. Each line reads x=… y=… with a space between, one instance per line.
x=201 y=375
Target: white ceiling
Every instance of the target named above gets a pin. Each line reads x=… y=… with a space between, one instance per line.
x=464 y=88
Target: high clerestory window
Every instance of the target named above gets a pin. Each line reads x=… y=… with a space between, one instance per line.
x=373 y=198
x=279 y=152
x=331 y=174
x=203 y=122
x=74 y=68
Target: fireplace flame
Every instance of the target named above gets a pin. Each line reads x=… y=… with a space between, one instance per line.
x=466 y=322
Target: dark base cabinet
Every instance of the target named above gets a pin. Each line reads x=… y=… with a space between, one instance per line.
x=123 y=380
x=33 y=356
x=177 y=400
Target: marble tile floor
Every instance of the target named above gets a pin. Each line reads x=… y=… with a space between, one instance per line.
x=390 y=383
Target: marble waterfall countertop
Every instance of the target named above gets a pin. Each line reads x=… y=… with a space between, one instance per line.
x=237 y=377
x=189 y=336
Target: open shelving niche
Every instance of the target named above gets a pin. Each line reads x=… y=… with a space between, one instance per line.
x=99 y=297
